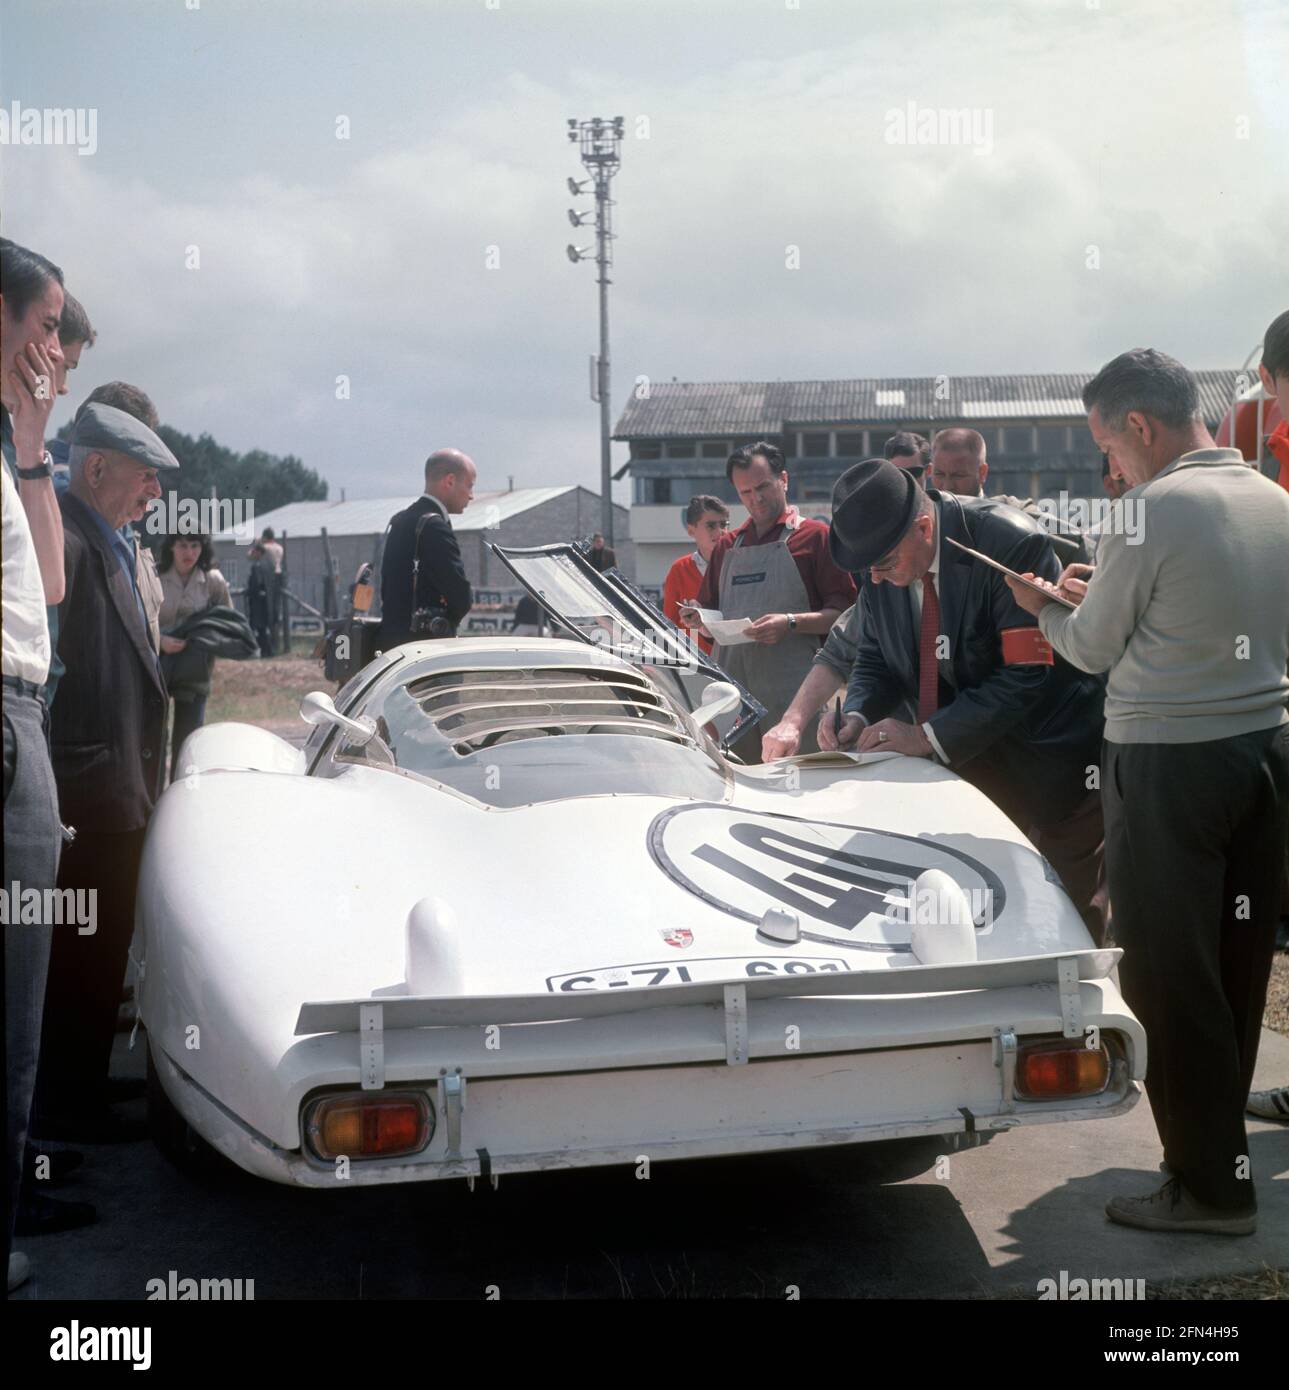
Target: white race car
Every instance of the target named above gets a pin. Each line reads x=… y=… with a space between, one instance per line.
x=511 y=908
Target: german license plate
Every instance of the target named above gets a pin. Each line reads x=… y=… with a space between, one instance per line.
x=648 y=974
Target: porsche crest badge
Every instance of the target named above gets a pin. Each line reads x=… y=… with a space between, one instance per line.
x=679 y=937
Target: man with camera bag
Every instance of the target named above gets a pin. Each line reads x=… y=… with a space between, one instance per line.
x=424 y=592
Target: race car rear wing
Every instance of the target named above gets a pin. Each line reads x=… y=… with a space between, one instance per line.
x=607 y=611
x=372 y=1019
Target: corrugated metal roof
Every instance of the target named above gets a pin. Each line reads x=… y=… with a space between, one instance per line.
x=745 y=409
x=368 y=516
x=1014 y=410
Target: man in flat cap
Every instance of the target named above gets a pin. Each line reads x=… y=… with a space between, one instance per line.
x=107 y=737
x=942 y=631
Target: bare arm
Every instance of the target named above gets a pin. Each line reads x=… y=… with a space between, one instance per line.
x=774 y=627
x=785 y=738
x=33 y=386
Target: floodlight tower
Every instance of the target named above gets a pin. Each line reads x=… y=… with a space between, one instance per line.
x=600 y=143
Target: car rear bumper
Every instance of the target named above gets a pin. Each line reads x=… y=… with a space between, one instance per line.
x=661 y=1083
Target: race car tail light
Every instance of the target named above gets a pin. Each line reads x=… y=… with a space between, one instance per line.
x=381 y=1125
x=1057 y=1070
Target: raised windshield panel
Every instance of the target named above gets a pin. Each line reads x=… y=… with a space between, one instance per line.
x=556 y=579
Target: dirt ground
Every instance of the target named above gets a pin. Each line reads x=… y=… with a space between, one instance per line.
x=265 y=692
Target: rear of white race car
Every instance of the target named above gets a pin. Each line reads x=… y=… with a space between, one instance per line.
x=410 y=1090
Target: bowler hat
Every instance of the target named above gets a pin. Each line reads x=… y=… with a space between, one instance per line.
x=100 y=426
x=873 y=506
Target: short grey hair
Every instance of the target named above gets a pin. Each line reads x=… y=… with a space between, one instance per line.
x=76 y=457
x=1147 y=381
x=957 y=439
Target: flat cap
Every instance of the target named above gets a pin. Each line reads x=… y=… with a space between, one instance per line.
x=105 y=427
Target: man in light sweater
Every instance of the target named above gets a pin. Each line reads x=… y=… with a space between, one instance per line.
x=1192 y=623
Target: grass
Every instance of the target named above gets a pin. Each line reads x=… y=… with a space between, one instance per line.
x=266 y=692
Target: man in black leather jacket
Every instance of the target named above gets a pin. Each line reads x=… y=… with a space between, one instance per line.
x=994 y=703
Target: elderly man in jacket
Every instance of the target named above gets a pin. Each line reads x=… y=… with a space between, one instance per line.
x=107 y=739
x=939 y=630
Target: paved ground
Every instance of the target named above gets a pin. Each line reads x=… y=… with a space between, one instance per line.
x=846 y=1223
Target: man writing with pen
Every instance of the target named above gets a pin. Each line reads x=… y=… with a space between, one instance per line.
x=941 y=633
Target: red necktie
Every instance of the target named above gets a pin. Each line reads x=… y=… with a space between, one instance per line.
x=928 y=667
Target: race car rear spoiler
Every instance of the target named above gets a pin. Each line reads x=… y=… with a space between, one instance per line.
x=404 y=1012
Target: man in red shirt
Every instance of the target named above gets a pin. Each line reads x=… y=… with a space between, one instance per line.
x=776 y=570
x=706 y=520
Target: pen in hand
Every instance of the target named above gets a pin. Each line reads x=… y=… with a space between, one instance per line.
x=836 y=721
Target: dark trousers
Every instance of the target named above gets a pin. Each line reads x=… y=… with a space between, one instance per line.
x=31 y=844
x=260 y=617
x=1195 y=837
x=1073 y=844
x=1075 y=847
x=189 y=716
x=86 y=974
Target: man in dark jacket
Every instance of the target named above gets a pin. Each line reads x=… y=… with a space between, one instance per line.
x=421 y=568
x=943 y=631
x=602 y=557
x=107 y=740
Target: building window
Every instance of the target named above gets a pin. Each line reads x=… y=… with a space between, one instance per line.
x=1017 y=439
x=646 y=449
x=1051 y=440
x=680 y=449
x=815 y=446
x=1050 y=484
x=877 y=441
x=851 y=445
x=657 y=492
x=715 y=449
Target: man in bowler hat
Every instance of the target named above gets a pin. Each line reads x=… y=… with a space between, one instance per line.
x=943 y=632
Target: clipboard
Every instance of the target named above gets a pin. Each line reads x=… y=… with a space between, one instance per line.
x=1011 y=574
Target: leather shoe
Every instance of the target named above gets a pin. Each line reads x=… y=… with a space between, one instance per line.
x=39 y=1215
x=101 y=1126
x=62 y=1163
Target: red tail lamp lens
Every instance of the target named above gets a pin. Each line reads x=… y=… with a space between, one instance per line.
x=1056 y=1071
x=379 y=1126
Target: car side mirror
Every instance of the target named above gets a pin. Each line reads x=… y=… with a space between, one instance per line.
x=318 y=707
x=720 y=697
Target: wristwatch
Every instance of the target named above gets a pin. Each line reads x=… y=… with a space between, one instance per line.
x=44 y=469
x=792 y=622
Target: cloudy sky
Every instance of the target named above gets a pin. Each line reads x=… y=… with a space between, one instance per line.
x=1130 y=187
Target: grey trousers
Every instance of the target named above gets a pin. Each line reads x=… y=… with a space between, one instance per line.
x=1195 y=836
x=31 y=844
